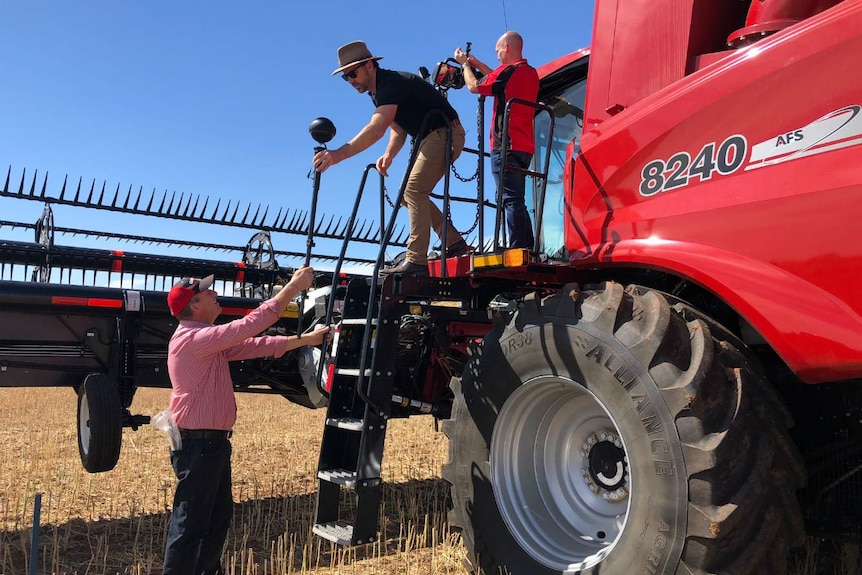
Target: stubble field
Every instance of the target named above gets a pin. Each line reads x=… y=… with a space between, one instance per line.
x=116 y=522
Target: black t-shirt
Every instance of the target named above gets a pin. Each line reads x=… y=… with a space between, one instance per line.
x=414 y=97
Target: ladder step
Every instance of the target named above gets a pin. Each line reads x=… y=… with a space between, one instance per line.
x=350 y=371
x=339 y=476
x=349 y=423
x=339 y=532
x=358 y=321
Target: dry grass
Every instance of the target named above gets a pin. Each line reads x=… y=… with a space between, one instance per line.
x=116 y=522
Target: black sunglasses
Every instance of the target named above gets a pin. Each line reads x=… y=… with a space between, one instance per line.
x=350 y=75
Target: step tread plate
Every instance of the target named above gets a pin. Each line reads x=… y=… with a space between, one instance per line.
x=339 y=532
x=348 y=423
x=357 y=321
x=340 y=476
x=351 y=371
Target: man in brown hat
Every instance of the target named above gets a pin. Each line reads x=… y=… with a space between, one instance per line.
x=402 y=101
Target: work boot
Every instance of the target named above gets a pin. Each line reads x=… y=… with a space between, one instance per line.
x=459 y=248
x=406 y=268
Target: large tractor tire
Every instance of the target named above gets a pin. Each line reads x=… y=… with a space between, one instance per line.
x=100 y=424
x=610 y=432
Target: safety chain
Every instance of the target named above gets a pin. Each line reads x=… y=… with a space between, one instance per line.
x=388 y=199
x=478 y=132
x=448 y=214
x=471 y=178
x=475 y=176
x=472 y=227
x=460 y=177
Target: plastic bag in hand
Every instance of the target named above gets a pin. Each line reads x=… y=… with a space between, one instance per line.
x=164 y=420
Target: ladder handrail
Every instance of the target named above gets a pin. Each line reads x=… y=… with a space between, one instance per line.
x=366 y=336
x=504 y=150
x=384 y=239
x=347 y=237
x=480 y=200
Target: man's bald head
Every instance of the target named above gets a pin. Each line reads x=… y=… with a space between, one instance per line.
x=510 y=47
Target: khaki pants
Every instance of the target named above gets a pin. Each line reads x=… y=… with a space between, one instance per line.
x=427 y=171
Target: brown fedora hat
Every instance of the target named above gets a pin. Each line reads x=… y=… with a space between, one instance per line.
x=352 y=54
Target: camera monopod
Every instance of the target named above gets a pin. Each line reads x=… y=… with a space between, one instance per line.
x=322 y=130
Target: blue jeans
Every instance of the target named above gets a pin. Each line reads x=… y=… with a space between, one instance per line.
x=517 y=219
x=203 y=508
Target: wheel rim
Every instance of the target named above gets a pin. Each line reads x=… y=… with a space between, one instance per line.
x=559 y=473
x=84 y=423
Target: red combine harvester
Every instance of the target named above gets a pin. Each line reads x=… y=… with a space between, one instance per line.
x=669 y=382
x=624 y=395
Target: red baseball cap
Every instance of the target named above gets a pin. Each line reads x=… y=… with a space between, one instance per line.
x=183 y=292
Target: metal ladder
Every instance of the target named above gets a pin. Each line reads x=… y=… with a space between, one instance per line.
x=352 y=448
x=361 y=381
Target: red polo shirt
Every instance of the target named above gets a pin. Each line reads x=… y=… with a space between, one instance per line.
x=522 y=84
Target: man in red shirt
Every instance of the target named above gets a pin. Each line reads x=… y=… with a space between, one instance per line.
x=204 y=409
x=513 y=78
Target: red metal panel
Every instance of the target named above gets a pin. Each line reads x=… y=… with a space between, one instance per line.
x=774 y=236
x=235 y=311
x=87 y=301
x=240 y=273
x=641 y=46
x=768 y=16
x=117 y=264
x=455 y=267
x=561 y=62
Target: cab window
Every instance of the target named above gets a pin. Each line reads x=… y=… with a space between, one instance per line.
x=564 y=92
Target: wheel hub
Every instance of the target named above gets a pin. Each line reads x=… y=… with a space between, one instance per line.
x=605 y=466
x=84 y=423
x=559 y=473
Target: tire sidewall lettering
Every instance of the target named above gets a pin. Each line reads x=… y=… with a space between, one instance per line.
x=516 y=342
x=581 y=344
x=652 y=539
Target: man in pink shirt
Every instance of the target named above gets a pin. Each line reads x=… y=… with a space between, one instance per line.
x=204 y=409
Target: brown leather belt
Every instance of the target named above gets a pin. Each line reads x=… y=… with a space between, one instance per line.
x=205 y=433
x=455 y=122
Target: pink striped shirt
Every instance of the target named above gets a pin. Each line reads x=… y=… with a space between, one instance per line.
x=198 y=356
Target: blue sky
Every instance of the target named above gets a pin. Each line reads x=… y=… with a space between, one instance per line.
x=215 y=98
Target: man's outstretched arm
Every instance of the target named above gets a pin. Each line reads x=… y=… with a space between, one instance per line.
x=367 y=136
